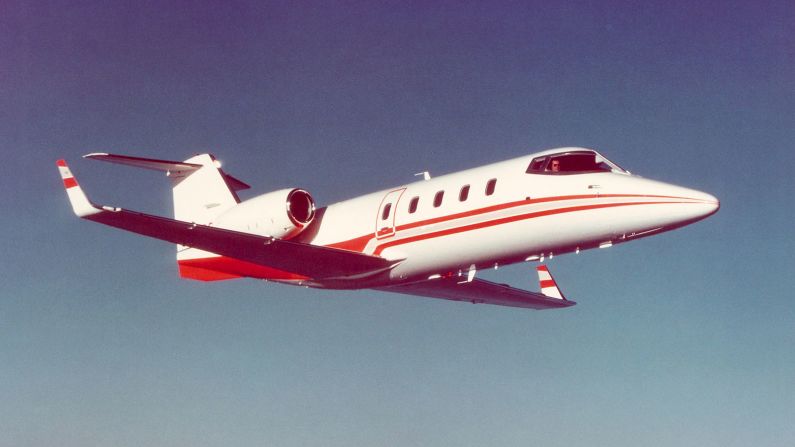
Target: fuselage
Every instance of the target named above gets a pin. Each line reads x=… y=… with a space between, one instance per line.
x=502 y=213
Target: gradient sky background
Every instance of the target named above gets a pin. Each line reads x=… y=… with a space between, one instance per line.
x=686 y=338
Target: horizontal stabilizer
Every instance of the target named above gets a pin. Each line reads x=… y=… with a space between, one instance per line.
x=172 y=168
x=146 y=163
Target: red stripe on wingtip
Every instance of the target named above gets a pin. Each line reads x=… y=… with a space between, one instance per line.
x=61 y=163
x=542 y=267
x=547 y=283
x=69 y=182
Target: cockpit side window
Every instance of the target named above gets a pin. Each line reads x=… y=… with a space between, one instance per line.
x=571 y=163
x=537 y=165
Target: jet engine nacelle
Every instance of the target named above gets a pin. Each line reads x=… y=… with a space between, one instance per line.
x=281 y=214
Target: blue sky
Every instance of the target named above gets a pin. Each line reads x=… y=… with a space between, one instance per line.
x=681 y=339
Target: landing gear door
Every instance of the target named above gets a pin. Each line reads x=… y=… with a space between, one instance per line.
x=385 y=219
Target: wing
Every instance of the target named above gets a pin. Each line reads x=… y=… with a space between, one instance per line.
x=479 y=291
x=309 y=260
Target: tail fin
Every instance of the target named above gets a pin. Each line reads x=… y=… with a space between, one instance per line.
x=201 y=190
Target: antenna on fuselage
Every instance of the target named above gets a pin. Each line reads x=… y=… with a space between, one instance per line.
x=425 y=175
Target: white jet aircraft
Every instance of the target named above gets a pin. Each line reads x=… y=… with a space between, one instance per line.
x=426 y=238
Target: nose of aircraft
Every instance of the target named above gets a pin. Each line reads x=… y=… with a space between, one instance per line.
x=694 y=205
x=709 y=204
x=679 y=206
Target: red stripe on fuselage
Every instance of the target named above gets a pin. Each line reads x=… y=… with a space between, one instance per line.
x=358 y=244
x=222 y=267
x=517 y=203
x=504 y=220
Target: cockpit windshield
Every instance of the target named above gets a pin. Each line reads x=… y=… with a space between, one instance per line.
x=572 y=162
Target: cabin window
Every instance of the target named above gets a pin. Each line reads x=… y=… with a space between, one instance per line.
x=464 y=194
x=385 y=213
x=491 y=186
x=437 y=200
x=413 y=205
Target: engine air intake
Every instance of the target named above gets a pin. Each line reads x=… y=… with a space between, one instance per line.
x=300 y=207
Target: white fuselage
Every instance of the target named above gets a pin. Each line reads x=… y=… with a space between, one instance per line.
x=507 y=215
x=428 y=238
x=529 y=208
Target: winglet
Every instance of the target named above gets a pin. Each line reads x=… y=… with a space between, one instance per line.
x=80 y=203
x=548 y=285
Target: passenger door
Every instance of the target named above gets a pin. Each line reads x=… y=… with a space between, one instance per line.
x=385 y=219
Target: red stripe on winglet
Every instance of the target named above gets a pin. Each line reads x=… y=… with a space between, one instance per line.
x=548 y=283
x=69 y=182
x=543 y=268
x=61 y=163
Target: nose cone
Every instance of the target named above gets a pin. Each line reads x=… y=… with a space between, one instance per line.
x=695 y=195
x=711 y=204
x=688 y=205
x=707 y=208
x=669 y=206
x=696 y=205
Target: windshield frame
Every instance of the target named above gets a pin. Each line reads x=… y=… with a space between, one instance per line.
x=540 y=164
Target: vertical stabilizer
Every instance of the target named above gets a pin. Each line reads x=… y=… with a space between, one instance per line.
x=200 y=196
x=203 y=194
